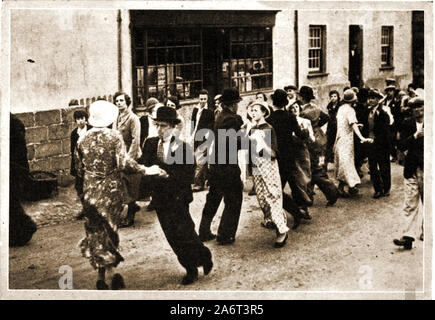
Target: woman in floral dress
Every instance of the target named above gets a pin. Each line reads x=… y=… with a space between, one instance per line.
x=347 y=124
x=100 y=157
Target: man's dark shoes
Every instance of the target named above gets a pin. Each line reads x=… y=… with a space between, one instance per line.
x=190 y=277
x=331 y=202
x=377 y=195
x=101 y=285
x=207 y=237
x=117 y=282
x=131 y=213
x=405 y=242
x=386 y=193
x=207 y=266
x=252 y=192
x=296 y=221
x=225 y=241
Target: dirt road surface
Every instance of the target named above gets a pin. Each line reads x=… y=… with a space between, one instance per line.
x=347 y=247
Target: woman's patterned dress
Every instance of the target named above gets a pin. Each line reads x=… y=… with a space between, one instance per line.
x=100 y=158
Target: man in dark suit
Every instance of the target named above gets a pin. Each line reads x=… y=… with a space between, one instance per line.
x=201 y=123
x=224 y=178
x=81 y=119
x=147 y=128
x=379 y=149
x=172 y=193
x=412 y=142
x=393 y=107
x=285 y=124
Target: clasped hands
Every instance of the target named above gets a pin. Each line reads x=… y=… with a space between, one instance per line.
x=154 y=170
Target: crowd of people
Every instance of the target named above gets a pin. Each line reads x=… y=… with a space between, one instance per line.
x=120 y=157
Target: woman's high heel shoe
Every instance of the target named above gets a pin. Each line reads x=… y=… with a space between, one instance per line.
x=282 y=243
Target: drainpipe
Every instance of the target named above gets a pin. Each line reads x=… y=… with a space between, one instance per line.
x=296 y=49
x=119 y=21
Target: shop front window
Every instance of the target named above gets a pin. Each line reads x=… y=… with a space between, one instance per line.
x=250 y=58
x=182 y=61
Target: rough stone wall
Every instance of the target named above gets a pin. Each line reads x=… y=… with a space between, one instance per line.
x=48 y=141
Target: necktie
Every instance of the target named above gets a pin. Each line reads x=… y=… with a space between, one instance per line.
x=160 y=155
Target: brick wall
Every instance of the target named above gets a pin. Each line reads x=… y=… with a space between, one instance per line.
x=48 y=140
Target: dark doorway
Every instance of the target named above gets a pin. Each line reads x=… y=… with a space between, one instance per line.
x=418 y=48
x=355 y=55
x=213 y=41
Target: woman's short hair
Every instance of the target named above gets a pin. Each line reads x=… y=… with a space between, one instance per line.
x=263 y=94
x=175 y=100
x=78 y=114
x=126 y=96
x=203 y=91
x=334 y=92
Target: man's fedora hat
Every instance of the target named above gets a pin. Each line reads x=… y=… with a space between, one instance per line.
x=390 y=81
x=279 y=98
x=306 y=93
x=349 y=96
x=149 y=105
x=102 y=113
x=167 y=114
x=290 y=87
x=230 y=96
x=390 y=87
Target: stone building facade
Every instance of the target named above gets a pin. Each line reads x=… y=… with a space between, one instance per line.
x=74 y=53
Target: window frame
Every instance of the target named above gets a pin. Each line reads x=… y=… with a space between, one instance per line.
x=263 y=58
x=389 y=46
x=141 y=91
x=321 y=49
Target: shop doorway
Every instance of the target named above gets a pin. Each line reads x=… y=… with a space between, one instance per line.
x=355 y=55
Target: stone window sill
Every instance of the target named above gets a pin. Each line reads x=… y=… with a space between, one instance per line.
x=386 y=68
x=317 y=75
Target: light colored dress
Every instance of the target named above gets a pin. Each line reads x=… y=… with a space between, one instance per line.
x=267 y=181
x=343 y=149
x=100 y=157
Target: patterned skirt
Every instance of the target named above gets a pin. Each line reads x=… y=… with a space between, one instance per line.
x=103 y=207
x=267 y=183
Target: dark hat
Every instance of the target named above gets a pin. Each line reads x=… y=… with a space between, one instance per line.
x=167 y=114
x=416 y=102
x=374 y=94
x=230 y=95
x=290 y=87
x=279 y=98
x=306 y=93
x=349 y=96
x=390 y=81
x=390 y=87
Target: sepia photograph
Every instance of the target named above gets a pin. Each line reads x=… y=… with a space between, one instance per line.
x=263 y=150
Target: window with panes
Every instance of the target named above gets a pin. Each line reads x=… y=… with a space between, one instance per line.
x=169 y=61
x=387 y=46
x=316 y=49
